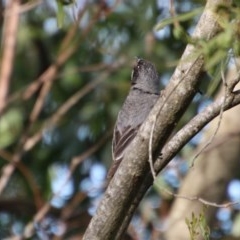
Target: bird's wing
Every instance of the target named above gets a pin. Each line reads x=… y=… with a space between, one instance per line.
x=121 y=139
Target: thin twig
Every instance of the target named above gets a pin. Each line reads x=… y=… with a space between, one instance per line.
x=226 y=91
x=150 y=158
x=154 y=123
x=173 y=14
x=28 y=176
x=32 y=141
x=47 y=77
x=199 y=199
x=29 y=229
x=38 y=82
x=176 y=143
x=51 y=73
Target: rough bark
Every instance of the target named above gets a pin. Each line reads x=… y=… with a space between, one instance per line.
x=122 y=190
x=178 y=141
x=210 y=175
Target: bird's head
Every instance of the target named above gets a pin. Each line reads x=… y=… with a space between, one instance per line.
x=145 y=76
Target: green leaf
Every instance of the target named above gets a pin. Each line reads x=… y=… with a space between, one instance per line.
x=11 y=124
x=60 y=14
x=180 y=18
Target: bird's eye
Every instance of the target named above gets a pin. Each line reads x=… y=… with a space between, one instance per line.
x=140 y=63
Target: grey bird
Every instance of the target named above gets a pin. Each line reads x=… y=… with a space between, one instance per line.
x=142 y=96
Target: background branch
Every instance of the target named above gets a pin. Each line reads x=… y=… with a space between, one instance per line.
x=8 y=45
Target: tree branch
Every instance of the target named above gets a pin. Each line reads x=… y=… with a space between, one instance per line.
x=11 y=20
x=182 y=137
x=134 y=168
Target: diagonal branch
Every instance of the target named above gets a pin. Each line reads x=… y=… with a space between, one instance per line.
x=122 y=190
x=11 y=20
x=179 y=140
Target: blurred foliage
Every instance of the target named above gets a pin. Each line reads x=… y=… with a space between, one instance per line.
x=105 y=36
x=10 y=126
x=197 y=226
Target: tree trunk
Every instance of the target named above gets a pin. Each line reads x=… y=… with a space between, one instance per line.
x=210 y=174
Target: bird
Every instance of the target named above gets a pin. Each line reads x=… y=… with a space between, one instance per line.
x=143 y=94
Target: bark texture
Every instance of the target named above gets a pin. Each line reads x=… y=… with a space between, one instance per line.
x=210 y=175
x=119 y=202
